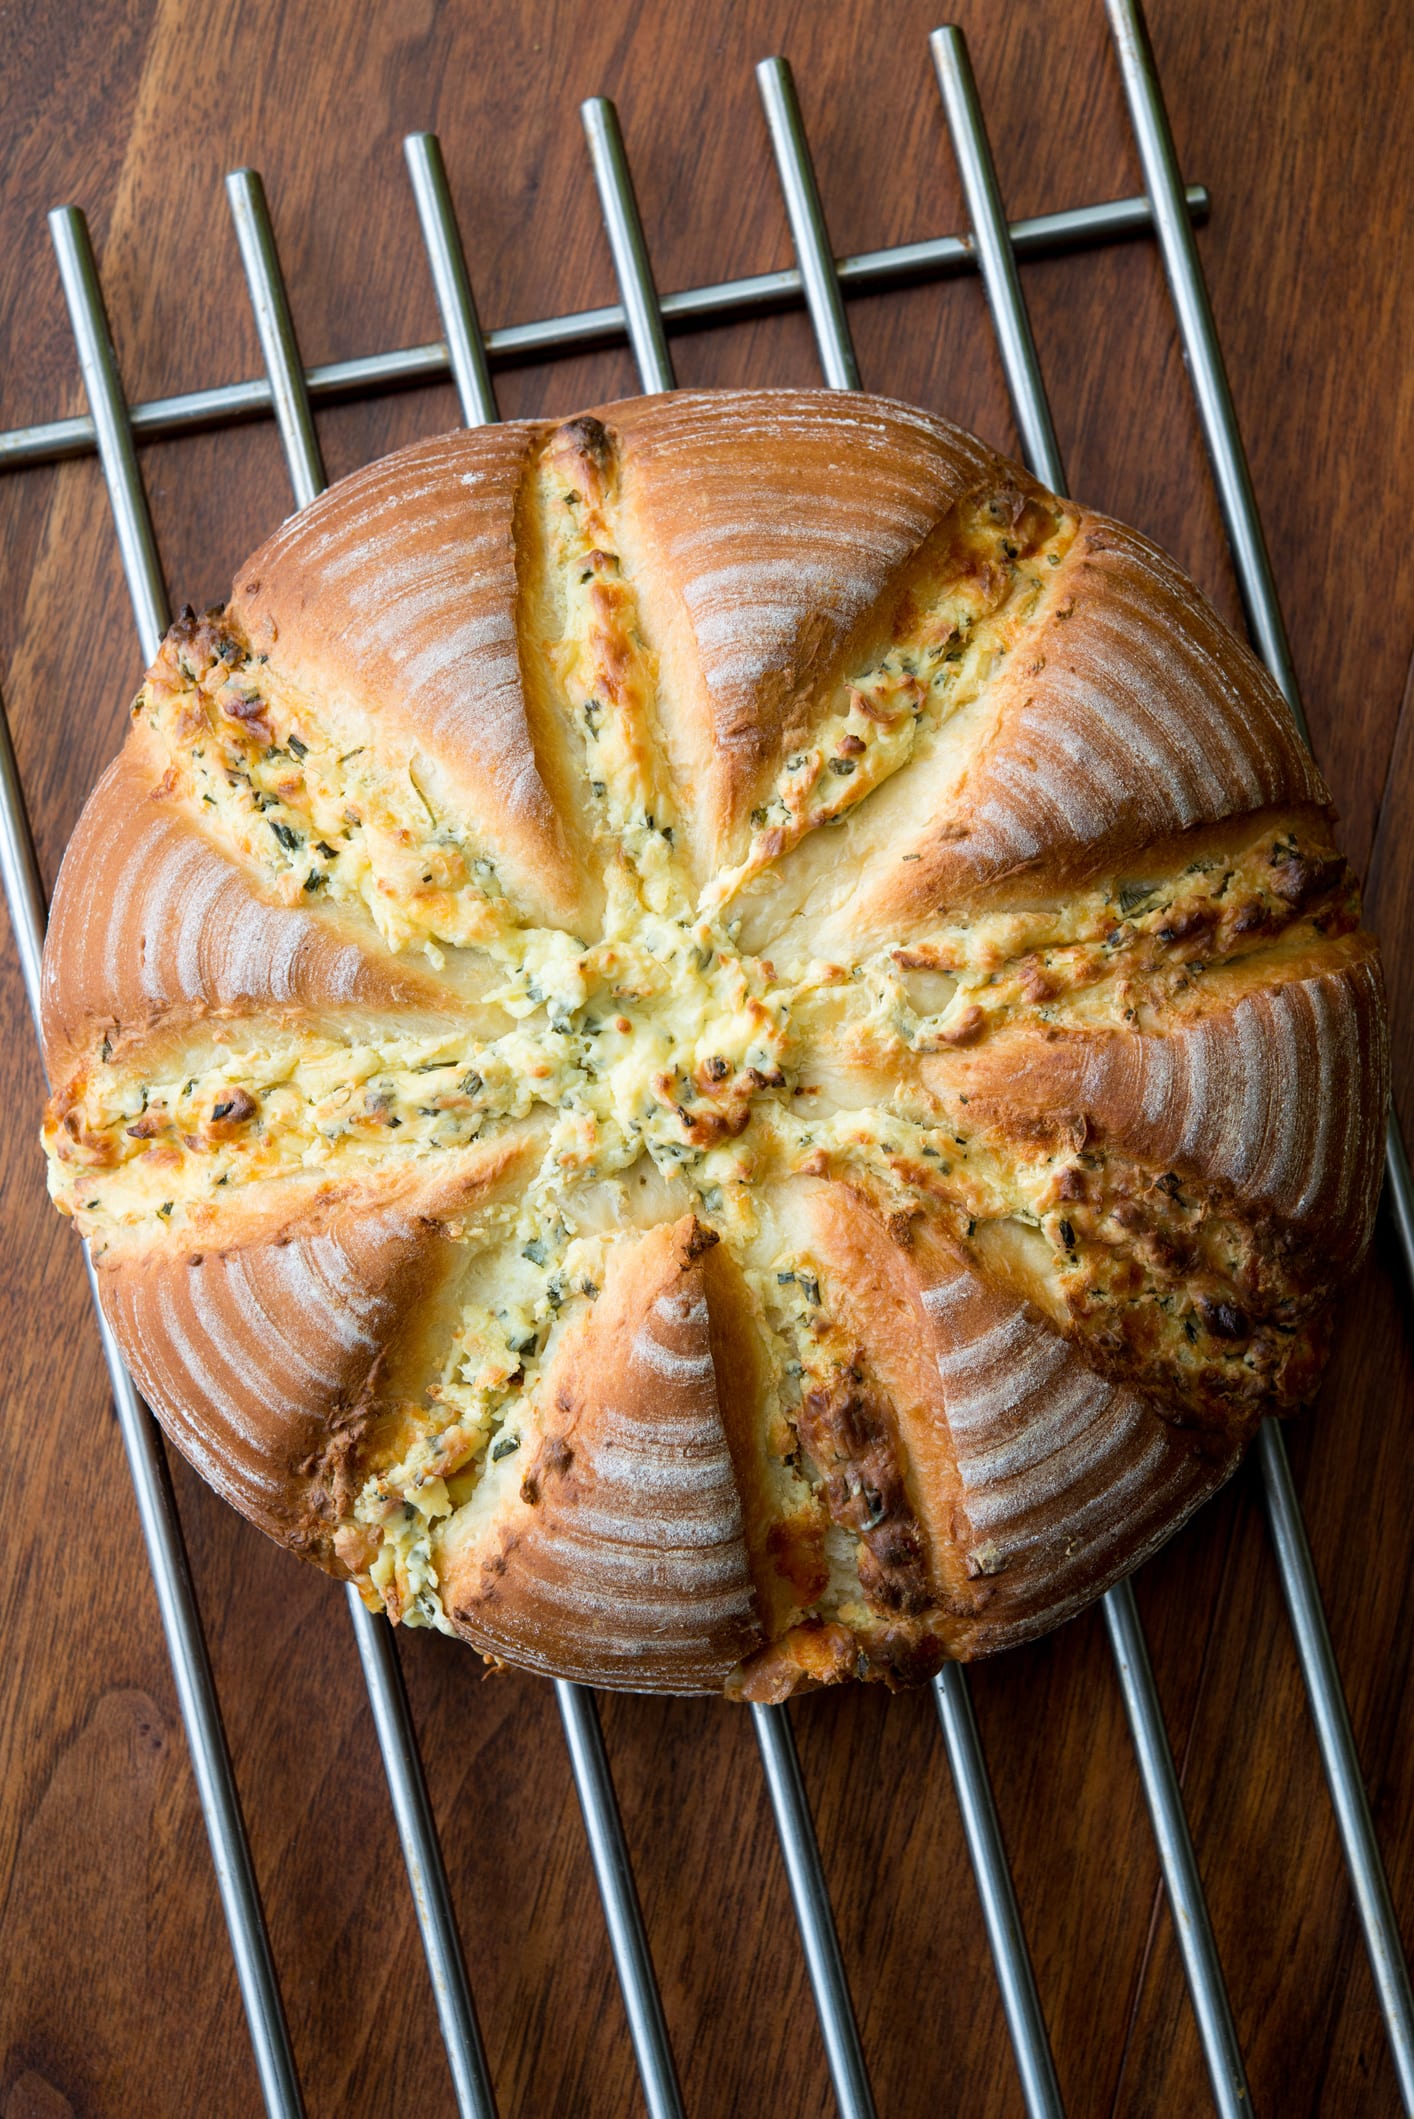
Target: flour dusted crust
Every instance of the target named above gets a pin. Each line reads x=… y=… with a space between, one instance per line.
x=718 y=1046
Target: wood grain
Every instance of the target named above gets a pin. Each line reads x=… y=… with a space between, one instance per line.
x=118 y=1995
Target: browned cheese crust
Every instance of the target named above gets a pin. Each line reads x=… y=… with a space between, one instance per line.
x=719 y=1047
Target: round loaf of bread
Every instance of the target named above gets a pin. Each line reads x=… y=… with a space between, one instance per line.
x=718 y=1046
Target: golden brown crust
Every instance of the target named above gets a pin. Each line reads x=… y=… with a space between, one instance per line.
x=718 y=1046
x=151 y=921
x=617 y=1554
x=273 y=1356
x=1260 y=1096
x=1036 y=1480
x=1131 y=715
x=398 y=592
x=761 y=556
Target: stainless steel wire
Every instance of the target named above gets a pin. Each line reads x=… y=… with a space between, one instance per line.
x=824 y=297
x=951 y=1692
x=19 y=872
x=1208 y=373
x=1192 y=1926
x=1399 y=1185
x=270 y=302
x=643 y=312
x=108 y=408
x=608 y=1846
x=1188 y=1905
x=722 y=302
x=795 y=1829
x=952 y=1695
x=147 y=1462
x=387 y=1694
x=800 y=1850
x=451 y=282
x=613 y=1872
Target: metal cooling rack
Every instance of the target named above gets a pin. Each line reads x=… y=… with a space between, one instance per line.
x=820 y=281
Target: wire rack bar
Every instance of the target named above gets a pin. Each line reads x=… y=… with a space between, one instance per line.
x=98 y=365
x=422 y=1857
x=952 y=1695
x=722 y=302
x=815 y=257
x=1228 y=456
x=151 y=1475
x=1189 y=1907
x=608 y=1847
x=1021 y=2004
x=392 y=1714
x=451 y=282
x=270 y=303
x=795 y=1829
x=643 y=310
x=613 y=1872
x=810 y=1896
x=1192 y=1926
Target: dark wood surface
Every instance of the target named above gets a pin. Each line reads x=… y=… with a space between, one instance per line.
x=117 y=1994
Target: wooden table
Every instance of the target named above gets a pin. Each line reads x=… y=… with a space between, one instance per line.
x=118 y=1995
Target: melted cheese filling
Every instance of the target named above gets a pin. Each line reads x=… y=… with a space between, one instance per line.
x=944 y=658
x=320 y=813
